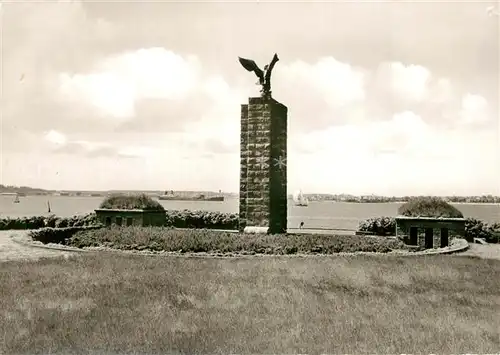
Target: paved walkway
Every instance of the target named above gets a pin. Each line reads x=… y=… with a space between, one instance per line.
x=9 y=250
x=488 y=251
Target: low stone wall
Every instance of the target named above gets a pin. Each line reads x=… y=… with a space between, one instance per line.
x=131 y=217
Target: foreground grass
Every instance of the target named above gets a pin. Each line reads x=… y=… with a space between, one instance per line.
x=128 y=304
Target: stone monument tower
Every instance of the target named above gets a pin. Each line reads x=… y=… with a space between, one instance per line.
x=263 y=166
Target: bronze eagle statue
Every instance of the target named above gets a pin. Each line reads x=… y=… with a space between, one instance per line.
x=263 y=75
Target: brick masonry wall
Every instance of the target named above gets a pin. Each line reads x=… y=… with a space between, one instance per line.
x=243 y=167
x=455 y=230
x=145 y=218
x=262 y=180
x=278 y=188
x=154 y=218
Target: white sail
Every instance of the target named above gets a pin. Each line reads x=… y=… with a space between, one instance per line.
x=300 y=199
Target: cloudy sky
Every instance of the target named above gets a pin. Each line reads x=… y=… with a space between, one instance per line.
x=388 y=98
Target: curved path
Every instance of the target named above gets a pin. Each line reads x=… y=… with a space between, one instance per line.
x=488 y=251
x=10 y=250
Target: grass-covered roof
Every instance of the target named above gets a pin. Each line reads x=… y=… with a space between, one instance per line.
x=429 y=207
x=131 y=202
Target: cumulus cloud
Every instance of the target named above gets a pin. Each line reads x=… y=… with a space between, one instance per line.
x=409 y=81
x=404 y=131
x=442 y=91
x=56 y=137
x=360 y=117
x=60 y=144
x=121 y=80
x=396 y=153
x=474 y=109
x=338 y=83
x=330 y=111
x=320 y=92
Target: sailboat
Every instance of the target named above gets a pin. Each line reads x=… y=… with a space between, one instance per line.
x=300 y=199
x=16 y=200
x=48 y=206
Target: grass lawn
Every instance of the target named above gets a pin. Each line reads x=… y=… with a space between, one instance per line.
x=108 y=303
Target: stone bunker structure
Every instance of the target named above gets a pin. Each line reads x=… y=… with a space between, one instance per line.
x=429 y=232
x=132 y=217
x=263 y=166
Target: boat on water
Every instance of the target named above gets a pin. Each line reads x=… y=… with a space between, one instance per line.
x=171 y=196
x=300 y=200
x=16 y=199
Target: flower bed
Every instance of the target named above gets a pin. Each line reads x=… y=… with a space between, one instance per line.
x=210 y=241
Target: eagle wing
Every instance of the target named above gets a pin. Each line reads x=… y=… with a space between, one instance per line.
x=250 y=65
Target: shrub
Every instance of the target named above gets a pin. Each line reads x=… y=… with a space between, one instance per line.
x=475 y=228
x=201 y=219
x=429 y=207
x=495 y=234
x=131 y=202
x=204 y=240
x=57 y=235
x=382 y=226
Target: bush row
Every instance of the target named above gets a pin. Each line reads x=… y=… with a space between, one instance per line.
x=52 y=221
x=474 y=228
x=205 y=240
x=178 y=219
x=201 y=219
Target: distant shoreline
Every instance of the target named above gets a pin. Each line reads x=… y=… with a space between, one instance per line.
x=475 y=203
x=228 y=198
x=187 y=195
x=401 y=202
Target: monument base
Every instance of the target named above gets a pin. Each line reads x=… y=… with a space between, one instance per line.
x=263 y=175
x=256 y=230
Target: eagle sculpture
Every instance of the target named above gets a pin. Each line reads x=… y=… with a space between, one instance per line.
x=263 y=75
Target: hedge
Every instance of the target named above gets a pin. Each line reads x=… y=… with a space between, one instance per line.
x=36 y=222
x=204 y=240
x=475 y=228
x=201 y=219
x=177 y=219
